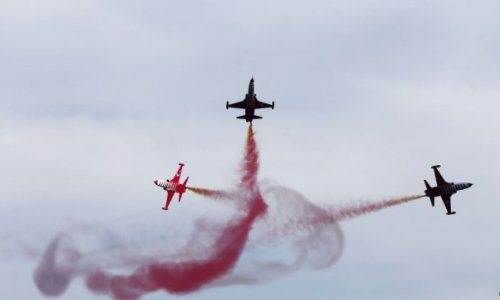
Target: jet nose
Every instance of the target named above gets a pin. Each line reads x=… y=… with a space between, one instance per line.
x=155 y=182
x=471 y=184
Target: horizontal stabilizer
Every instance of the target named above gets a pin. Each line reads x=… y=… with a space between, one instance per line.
x=436 y=166
x=451 y=213
x=252 y=117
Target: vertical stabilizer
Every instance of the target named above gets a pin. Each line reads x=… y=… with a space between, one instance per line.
x=428 y=187
x=183 y=188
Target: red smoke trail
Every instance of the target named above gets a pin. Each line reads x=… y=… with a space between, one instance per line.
x=214 y=194
x=175 y=277
x=250 y=163
x=55 y=272
x=249 y=169
x=311 y=234
x=297 y=213
x=182 y=277
x=356 y=210
x=310 y=231
x=188 y=276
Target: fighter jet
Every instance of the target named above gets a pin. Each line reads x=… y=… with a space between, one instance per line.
x=173 y=186
x=444 y=190
x=250 y=104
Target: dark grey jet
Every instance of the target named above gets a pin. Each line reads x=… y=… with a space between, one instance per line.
x=250 y=104
x=444 y=190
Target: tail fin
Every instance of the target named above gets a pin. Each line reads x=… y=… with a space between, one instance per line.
x=184 y=189
x=428 y=187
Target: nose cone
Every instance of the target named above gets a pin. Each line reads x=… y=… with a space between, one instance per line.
x=470 y=184
x=155 y=182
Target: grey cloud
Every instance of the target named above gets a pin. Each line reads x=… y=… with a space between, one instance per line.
x=98 y=98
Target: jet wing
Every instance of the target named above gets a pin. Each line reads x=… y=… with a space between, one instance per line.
x=242 y=104
x=447 y=204
x=259 y=104
x=170 y=195
x=177 y=175
x=439 y=179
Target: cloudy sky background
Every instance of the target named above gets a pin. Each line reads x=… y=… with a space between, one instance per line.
x=99 y=98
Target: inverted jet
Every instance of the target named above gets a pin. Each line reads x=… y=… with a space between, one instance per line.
x=250 y=104
x=173 y=186
x=444 y=189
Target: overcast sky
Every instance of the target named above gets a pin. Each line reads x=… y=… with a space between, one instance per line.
x=99 y=98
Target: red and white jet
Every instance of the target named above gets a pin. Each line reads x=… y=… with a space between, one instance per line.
x=173 y=186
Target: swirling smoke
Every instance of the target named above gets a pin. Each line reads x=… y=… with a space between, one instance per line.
x=240 y=250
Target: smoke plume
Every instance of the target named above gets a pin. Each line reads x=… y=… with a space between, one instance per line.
x=232 y=251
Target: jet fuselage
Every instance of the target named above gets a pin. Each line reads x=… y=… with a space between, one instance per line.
x=170 y=186
x=443 y=189
x=250 y=104
x=448 y=189
x=251 y=99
